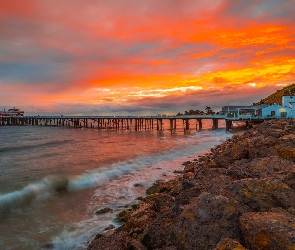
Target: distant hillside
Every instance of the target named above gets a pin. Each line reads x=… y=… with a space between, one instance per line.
x=277 y=96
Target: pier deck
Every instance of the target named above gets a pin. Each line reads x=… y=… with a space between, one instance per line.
x=128 y=122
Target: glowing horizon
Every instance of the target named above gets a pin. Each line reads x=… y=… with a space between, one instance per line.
x=143 y=57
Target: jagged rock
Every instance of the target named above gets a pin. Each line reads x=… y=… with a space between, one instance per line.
x=159 y=201
x=188 y=183
x=207 y=220
x=189 y=168
x=119 y=240
x=123 y=215
x=268 y=230
x=111 y=226
x=141 y=219
x=47 y=246
x=157 y=187
x=288 y=177
x=170 y=185
x=104 y=210
x=158 y=234
x=286 y=153
x=288 y=137
x=263 y=194
x=258 y=168
x=184 y=197
x=136 y=245
x=229 y=244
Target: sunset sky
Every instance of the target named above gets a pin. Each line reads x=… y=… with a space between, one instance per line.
x=134 y=57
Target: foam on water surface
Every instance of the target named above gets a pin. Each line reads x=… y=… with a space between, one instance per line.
x=84 y=172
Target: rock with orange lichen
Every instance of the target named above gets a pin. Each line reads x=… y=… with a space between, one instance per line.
x=159 y=233
x=229 y=244
x=268 y=230
x=205 y=221
x=286 y=153
x=263 y=194
x=139 y=219
x=119 y=240
x=259 y=167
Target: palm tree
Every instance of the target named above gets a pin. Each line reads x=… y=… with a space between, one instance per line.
x=208 y=109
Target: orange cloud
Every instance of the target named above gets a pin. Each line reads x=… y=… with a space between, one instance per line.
x=106 y=53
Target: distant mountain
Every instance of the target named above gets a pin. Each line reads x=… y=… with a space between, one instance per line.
x=277 y=96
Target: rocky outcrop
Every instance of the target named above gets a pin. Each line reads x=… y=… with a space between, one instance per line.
x=229 y=244
x=240 y=195
x=268 y=230
x=206 y=220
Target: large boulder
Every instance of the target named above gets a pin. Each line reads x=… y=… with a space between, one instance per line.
x=159 y=201
x=229 y=244
x=159 y=233
x=139 y=220
x=259 y=167
x=263 y=194
x=268 y=230
x=117 y=241
x=205 y=221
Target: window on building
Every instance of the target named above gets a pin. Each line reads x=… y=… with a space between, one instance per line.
x=272 y=112
x=283 y=114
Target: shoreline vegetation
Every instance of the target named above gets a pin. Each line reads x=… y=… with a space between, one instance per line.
x=241 y=195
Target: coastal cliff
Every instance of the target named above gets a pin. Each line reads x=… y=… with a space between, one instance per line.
x=241 y=195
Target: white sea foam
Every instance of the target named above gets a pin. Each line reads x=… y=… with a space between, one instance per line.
x=121 y=189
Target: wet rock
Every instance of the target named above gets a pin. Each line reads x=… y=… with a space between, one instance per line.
x=141 y=219
x=104 y=210
x=111 y=226
x=170 y=185
x=160 y=201
x=263 y=194
x=189 y=168
x=46 y=246
x=138 y=185
x=207 y=220
x=268 y=230
x=229 y=244
x=157 y=187
x=123 y=216
x=177 y=172
x=188 y=183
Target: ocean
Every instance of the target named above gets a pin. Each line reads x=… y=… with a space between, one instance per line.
x=54 y=179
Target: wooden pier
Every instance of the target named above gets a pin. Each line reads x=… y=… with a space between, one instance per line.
x=111 y=122
x=136 y=123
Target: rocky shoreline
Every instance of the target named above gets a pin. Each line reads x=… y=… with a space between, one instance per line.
x=241 y=195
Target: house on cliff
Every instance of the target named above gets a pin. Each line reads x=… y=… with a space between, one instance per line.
x=274 y=110
x=289 y=101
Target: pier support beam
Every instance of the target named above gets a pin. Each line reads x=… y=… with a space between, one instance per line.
x=228 y=124
x=215 y=124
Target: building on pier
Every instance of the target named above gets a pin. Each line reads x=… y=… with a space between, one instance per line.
x=12 y=112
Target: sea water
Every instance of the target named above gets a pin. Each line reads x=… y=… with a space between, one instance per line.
x=53 y=180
